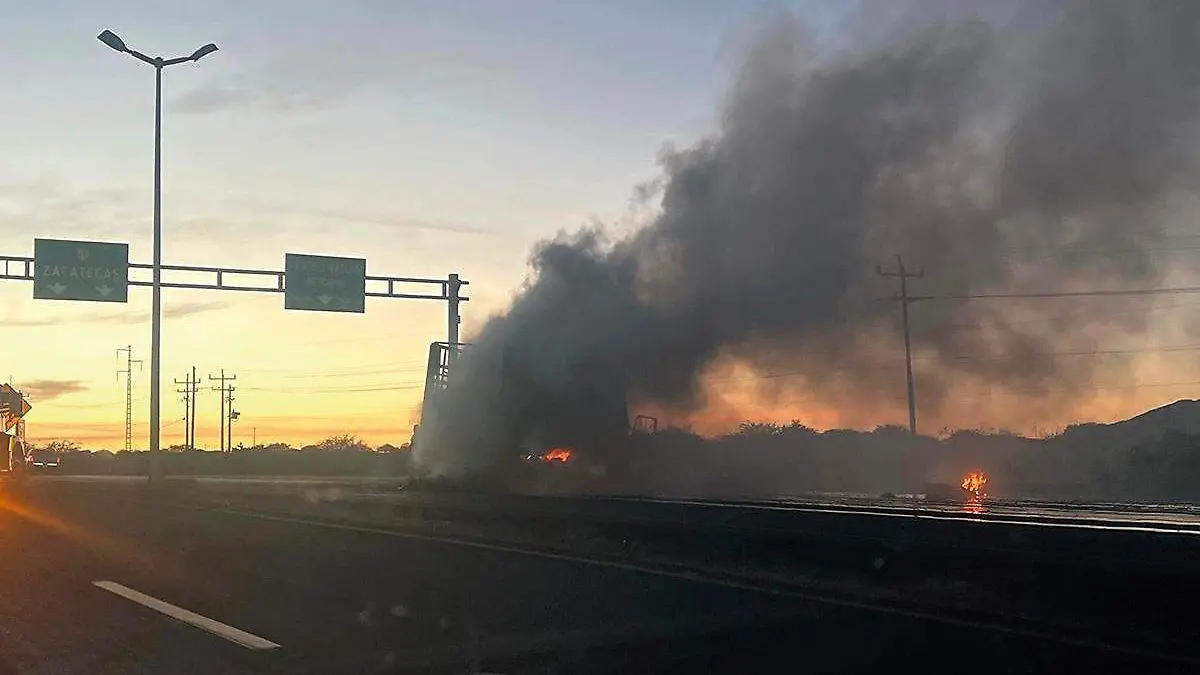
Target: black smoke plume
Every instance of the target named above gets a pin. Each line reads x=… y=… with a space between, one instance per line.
x=1032 y=156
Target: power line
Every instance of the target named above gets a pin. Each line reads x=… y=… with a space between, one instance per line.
x=1136 y=243
x=348 y=375
x=87 y=406
x=1170 y=242
x=998 y=357
x=905 y=300
x=339 y=390
x=366 y=416
x=372 y=338
x=1083 y=352
x=918 y=330
x=1015 y=256
x=1032 y=390
x=336 y=375
x=1082 y=387
x=1046 y=319
x=1059 y=294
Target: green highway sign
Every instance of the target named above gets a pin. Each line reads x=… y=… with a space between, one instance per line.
x=80 y=270
x=324 y=283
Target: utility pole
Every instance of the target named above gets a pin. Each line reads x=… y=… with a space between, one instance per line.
x=229 y=418
x=187 y=411
x=192 y=416
x=904 y=276
x=128 y=371
x=223 y=389
x=189 y=392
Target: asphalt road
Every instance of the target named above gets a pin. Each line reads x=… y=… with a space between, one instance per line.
x=87 y=579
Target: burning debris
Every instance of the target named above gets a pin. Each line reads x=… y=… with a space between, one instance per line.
x=975 y=484
x=557 y=455
x=1036 y=155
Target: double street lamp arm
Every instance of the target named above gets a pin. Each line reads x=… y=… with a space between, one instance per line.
x=112 y=40
x=115 y=42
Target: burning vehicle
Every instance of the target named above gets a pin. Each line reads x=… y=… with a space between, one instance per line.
x=536 y=451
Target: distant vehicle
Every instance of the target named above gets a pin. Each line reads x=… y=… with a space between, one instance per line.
x=44 y=459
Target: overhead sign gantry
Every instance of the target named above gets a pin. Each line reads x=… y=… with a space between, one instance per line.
x=94 y=271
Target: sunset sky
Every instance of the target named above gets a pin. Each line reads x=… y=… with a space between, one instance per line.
x=428 y=136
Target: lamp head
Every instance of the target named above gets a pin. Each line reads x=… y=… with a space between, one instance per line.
x=110 y=38
x=203 y=51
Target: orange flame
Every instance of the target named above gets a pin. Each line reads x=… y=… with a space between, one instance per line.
x=975 y=482
x=557 y=455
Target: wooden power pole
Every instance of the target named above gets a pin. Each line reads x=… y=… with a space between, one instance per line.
x=224 y=391
x=905 y=301
x=189 y=391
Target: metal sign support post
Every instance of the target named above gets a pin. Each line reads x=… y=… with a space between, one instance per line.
x=453 y=319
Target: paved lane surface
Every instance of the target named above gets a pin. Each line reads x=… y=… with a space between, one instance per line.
x=109 y=585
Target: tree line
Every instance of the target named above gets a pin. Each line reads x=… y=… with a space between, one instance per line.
x=336 y=443
x=341 y=455
x=1154 y=457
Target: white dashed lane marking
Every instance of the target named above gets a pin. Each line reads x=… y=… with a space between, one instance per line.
x=241 y=637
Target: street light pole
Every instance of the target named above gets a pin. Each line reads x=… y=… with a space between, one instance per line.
x=110 y=38
x=156 y=285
